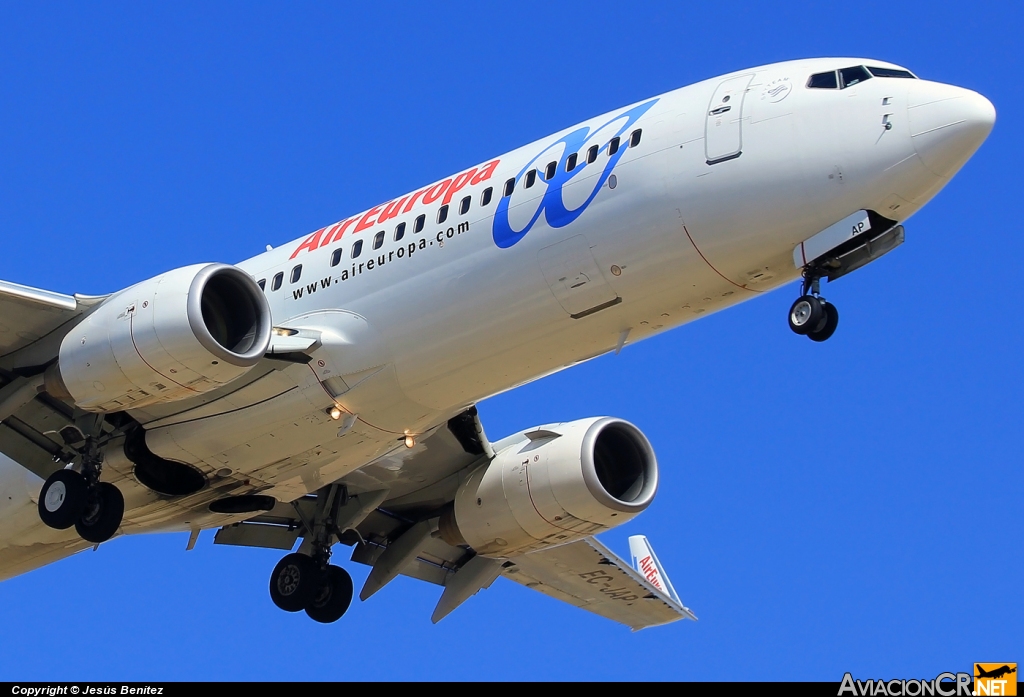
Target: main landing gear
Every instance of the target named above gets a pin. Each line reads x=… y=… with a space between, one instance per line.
x=811 y=315
x=309 y=582
x=69 y=497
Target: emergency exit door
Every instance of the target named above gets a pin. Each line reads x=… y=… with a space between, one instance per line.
x=723 y=137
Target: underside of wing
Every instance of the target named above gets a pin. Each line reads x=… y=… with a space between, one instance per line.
x=391 y=513
x=33 y=322
x=590 y=576
x=399 y=511
x=383 y=503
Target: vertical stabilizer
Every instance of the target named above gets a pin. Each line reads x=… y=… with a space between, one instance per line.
x=645 y=561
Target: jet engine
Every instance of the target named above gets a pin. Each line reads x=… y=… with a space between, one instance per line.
x=180 y=334
x=553 y=485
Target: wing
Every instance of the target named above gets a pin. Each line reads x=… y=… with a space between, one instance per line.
x=388 y=511
x=382 y=503
x=590 y=576
x=33 y=322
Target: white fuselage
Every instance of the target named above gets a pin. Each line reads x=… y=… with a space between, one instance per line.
x=516 y=288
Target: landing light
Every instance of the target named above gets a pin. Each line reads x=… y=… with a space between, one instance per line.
x=410 y=441
x=335 y=413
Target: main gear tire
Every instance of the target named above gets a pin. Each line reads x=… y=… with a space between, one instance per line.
x=295 y=582
x=63 y=499
x=102 y=515
x=332 y=598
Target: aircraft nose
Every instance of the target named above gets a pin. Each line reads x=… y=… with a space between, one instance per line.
x=947 y=124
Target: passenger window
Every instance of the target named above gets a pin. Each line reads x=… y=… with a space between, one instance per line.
x=510 y=185
x=570 y=163
x=592 y=154
x=823 y=81
x=891 y=72
x=613 y=146
x=262 y=283
x=278 y=278
x=357 y=248
x=854 y=75
x=399 y=232
x=634 y=138
x=485 y=197
x=442 y=213
x=378 y=240
x=549 y=172
x=420 y=220
x=531 y=177
x=336 y=257
x=296 y=273
x=464 y=206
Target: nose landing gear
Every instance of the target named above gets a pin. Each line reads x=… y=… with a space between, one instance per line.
x=811 y=315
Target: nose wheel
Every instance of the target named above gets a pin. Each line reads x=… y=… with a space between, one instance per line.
x=811 y=315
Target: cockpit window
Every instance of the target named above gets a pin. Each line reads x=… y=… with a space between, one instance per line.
x=854 y=75
x=824 y=81
x=891 y=72
x=848 y=77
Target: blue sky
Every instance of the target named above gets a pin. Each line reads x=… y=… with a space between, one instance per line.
x=824 y=508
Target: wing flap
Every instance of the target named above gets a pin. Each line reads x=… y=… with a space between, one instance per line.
x=30 y=425
x=590 y=576
x=24 y=446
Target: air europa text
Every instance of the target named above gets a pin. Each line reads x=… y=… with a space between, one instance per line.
x=442 y=191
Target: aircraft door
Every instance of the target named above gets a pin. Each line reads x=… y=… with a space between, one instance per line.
x=572 y=274
x=722 y=132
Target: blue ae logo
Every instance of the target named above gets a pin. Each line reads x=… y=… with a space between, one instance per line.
x=569 y=158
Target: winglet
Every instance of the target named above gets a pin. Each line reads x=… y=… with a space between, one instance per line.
x=645 y=561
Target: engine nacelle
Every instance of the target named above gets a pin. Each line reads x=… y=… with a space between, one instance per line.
x=180 y=334
x=553 y=485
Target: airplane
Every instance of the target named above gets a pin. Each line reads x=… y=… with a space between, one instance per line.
x=995 y=672
x=324 y=392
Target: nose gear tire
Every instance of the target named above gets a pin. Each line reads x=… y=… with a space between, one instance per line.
x=805 y=314
x=828 y=325
x=332 y=598
x=63 y=499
